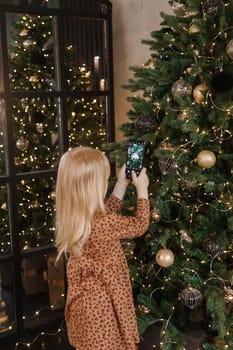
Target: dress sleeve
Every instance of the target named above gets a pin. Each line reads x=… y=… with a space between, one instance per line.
x=117 y=226
x=114 y=204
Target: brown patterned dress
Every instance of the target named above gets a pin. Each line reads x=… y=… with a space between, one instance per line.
x=100 y=312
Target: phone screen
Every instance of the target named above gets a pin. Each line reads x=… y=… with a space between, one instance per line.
x=135 y=155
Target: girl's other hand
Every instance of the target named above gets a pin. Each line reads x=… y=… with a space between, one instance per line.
x=121 y=184
x=141 y=182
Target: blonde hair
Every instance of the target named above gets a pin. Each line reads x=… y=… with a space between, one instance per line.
x=82 y=181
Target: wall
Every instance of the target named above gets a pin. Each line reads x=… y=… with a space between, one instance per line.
x=133 y=20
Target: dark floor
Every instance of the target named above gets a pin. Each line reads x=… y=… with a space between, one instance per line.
x=53 y=340
x=56 y=339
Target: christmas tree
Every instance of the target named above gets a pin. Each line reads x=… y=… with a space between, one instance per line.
x=36 y=117
x=182 y=107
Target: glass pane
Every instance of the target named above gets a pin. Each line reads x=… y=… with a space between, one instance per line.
x=43 y=288
x=87 y=121
x=5 y=240
x=87 y=6
x=7 y=307
x=1 y=73
x=35 y=133
x=2 y=134
x=35 y=212
x=31 y=52
x=86 y=50
x=36 y=4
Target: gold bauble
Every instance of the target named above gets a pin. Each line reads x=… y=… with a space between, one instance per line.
x=155 y=215
x=179 y=9
x=219 y=343
x=22 y=143
x=183 y=115
x=165 y=257
x=199 y=92
x=24 y=32
x=185 y=236
x=142 y=309
x=4 y=206
x=193 y=29
x=166 y=145
x=206 y=159
x=34 y=79
x=228 y=295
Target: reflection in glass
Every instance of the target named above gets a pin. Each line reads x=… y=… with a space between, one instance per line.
x=43 y=287
x=35 y=134
x=31 y=53
x=5 y=241
x=86 y=40
x=87 y=121
x=35 y=203
x=38 y=3
x=2 y=150
x=7 y=313
x=1 y=74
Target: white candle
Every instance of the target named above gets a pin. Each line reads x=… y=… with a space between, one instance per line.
x=96 y=66
x=96 y=72
x=102 y=84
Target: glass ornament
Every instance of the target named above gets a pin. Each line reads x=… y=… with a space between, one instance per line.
x=212 y=247
x=191 y=297
x=181 y=88
x=179 y=9
x=146 y=123
x=166 y=165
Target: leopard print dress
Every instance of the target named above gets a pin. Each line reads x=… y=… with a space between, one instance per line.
x=99 y=311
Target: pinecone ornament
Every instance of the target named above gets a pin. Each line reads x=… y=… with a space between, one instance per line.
x=210 y=7
x=146 y=123
x=212 y=247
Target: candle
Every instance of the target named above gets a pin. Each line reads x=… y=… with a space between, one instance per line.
x=102 y=84
x=96 y=71
x=97 y=64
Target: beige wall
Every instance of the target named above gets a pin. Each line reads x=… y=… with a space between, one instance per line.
x=133 y=20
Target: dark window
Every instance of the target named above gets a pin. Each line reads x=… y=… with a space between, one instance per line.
x=56 y=92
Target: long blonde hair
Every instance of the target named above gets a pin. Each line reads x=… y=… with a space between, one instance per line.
x=82 y=181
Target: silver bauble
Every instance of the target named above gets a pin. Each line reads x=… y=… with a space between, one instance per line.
x=181 y=88
x=191 y=297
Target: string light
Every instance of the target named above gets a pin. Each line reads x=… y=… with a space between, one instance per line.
x=38 y=336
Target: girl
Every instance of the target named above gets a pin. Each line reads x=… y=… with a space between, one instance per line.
x=99 y=308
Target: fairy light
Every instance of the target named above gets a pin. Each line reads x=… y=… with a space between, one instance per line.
x=18 y=345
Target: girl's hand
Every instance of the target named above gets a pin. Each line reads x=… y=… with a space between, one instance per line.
x=121 y=184
x=141 y=182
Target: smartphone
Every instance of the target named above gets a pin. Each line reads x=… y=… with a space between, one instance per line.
x=135 y=157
